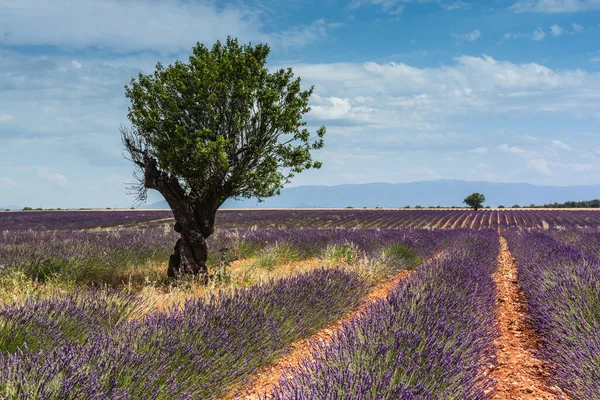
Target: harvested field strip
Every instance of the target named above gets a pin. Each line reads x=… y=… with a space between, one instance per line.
x=265 y=380
x=518 y=373
x=430 y=338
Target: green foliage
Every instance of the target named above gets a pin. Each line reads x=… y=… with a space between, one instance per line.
x=475 y=201
x=571 y=204
x=501 y=206
x=27 y=209
x=222 y=123
x=516 y=206
x=401 y=254
x=336 y=253
x=407 y=206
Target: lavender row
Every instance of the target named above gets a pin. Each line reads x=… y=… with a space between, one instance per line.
x=308 y=218
x=109 y=256
x=562 y=288
x=313 y=242
x=198 y=351
x=70 y=220
x=430 y=339
x=84 y=256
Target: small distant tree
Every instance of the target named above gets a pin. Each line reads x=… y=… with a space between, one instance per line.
x=500 y=206
x=475 y=201
x=27 y=209
x=220 y=126
x=516 y=206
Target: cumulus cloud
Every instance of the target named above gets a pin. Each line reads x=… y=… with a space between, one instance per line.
x=331 y=108
x=555 y=6
x=540 y=165
x=52 y=176
x=556 y=30
x=471 y=36
x=577 y=28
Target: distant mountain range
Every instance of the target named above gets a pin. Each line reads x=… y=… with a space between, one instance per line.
x=443 y=192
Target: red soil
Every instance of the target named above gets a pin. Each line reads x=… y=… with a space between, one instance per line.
x=518 y=373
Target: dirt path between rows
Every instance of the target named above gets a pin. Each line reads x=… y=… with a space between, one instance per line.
x=267 y=378
x=518 y=373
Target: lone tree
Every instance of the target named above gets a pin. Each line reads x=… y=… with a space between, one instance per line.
x=475 y=201
x=220 y=126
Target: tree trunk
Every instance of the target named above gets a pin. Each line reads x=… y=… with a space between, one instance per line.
x=189 y=256
x=191 y=251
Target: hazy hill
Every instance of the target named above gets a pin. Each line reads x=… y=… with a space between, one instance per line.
x=442 y=192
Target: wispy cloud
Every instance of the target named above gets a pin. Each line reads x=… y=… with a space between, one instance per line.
x=135 y=26
x=397 y=6
x=471 y=36
x=7 y=183
x=560 y=145
x=52 y=176
x=511 y=149
x=577 y=28
x=478 y=150
x=6 y=118
x=555 y=6
x=537 y=35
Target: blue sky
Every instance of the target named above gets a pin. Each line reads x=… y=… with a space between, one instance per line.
x=502 y=91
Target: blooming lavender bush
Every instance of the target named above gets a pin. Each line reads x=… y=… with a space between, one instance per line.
x=562 y=288
x=194 y=352
x=430 y=339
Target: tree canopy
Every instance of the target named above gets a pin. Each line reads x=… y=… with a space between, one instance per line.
x=221 y=125
x=216 y=123
x=475 y=201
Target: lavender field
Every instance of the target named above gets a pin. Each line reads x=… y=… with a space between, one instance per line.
x=87 y=311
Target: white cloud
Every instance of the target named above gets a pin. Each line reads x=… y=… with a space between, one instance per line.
x=6 y=118
x=478 y=150
x=555 y=6
x=76 y=64
x=538 y=34
x=560 y=145
x=577 y=28
x=7 y=183
x=471 y=36
x=331 y=108
x=456 y=5
x=52 y=176
x=406 y=97
x=397 y=6
x=141 y=25
x=511 y=149
x=540 y=165
x=556 y=30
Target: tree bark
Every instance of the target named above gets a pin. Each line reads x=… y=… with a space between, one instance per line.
x=189 y=256
x=194 y=222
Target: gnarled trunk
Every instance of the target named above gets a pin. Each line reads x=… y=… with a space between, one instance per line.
x=189 y=256
x=191 y=250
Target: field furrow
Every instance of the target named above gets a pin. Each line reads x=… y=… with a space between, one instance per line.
x=517 y=371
